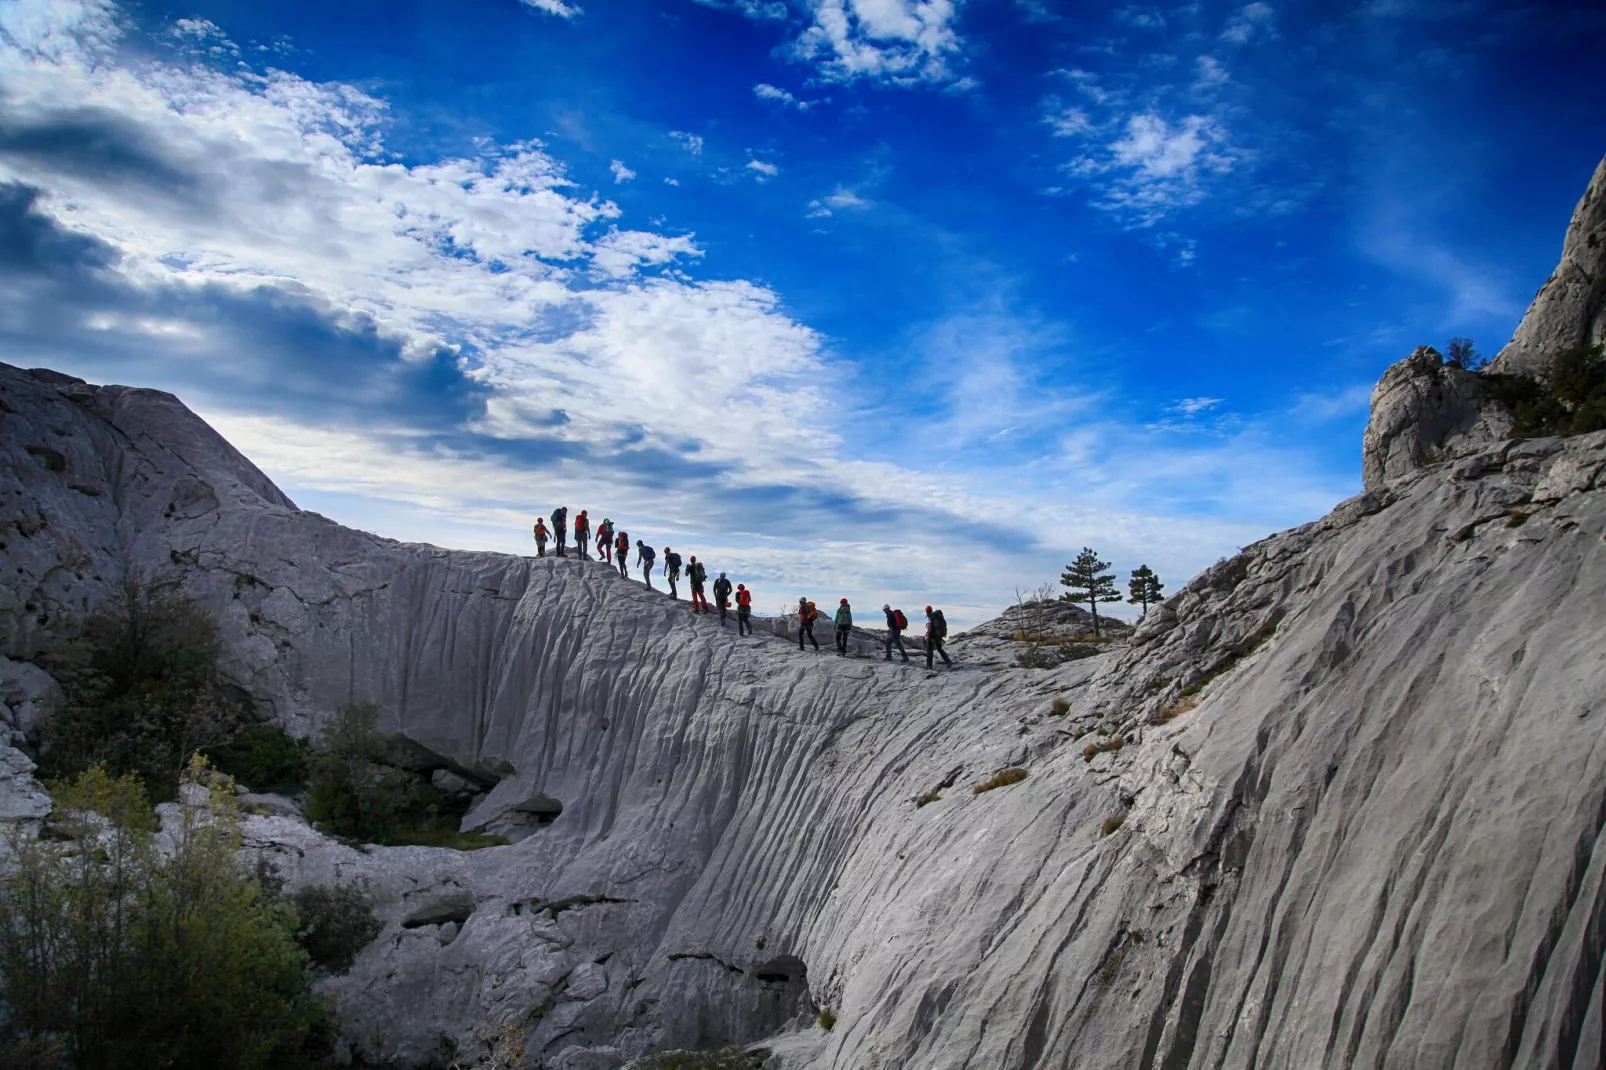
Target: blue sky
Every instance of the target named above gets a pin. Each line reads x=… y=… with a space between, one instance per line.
x=885 y=298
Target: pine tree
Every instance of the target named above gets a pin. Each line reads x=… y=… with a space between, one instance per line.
x=1146 y=587
x=1088 y=582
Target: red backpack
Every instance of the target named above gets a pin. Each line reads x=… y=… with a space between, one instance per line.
x=899 y=619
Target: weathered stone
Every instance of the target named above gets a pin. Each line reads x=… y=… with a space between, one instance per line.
x=22 y=800
x=1424 y=410
x=1571 y=306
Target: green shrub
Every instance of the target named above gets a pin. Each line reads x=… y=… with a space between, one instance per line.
x=263 y=757
x=1001 y=780
x=354 y=791
x=1111 y=824
x=140 y=690
x=130 y=957
x=333 y=923
x=1571 y=400
x=927 y=799
x=1059 y=707
x=722 y=1059
x=827 y=1020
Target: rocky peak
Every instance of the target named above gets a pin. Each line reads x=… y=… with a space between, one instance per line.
x=1571 y=306
x=1422 y=410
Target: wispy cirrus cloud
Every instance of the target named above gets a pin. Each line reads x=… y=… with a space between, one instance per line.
x=553 y=7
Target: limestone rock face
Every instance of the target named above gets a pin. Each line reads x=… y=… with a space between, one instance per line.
x=1571 y=306
x=1424 y=409
x=1337 y=803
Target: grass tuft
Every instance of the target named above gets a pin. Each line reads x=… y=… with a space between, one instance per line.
x=1001 y=780
x=927 y=799
x=827 y=1020
x=1111 y=824
x=1059 y=707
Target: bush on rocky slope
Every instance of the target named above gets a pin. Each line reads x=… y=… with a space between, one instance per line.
x=1570 y=400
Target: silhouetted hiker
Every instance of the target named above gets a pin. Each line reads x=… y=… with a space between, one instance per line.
x=722 y=596
x=582 y=535
x=936 y=632
x=645 y=557
x=744 y=610
x=896 y=623
x=560 y=525
x=621 y=552
x=605 y=541
x=698 y=575
x=541 y=536
x=672 y=570
x=805 y=622
x=844 y=625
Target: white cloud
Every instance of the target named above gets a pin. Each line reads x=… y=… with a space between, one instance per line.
x=763 y=168
x=554 y=7
x=1069 y=122
x=1194 y=406
x=621 y=173
x=898 y=41
x=1159 y=151
x=1249 y=21
x=765 y=91
x=690 y=142
x=1211 y=73
x=773 y=10
x=842 y=198
x=671 y=181
x=205 y=37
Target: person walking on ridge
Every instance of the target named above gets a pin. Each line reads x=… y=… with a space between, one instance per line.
x=896 y=623
x=698 y=575
x=844 y=626
x=722 y=596
x=582 y=535
x=672 y=571
x=560 y=526
x=805 y=622
x=605 y=541
x=621 y=552
x=645 y=557
x=744 y=610
x=541 y=536
x=936 y=632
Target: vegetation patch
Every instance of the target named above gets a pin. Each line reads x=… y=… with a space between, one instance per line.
x=1059 y=707
x=1001 y=779
x=1516 y=519
x=334 y=923
x=1111 y=825
x=827 y=1020
x=264 y=758
x=927 y=799
x=1093 y=750
x=1569 y=400
x=1167 y=714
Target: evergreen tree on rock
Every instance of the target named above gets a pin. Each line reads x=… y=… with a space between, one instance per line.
x=1145 y=587
x=1089 y=583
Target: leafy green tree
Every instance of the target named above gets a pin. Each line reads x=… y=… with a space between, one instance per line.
x=1089 y=583
x=1145 y=588
x=141 y=690
x=335 y=922
x=115 y=953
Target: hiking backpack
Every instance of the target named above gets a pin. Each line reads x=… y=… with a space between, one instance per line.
x=899 y=620
x=939 y=625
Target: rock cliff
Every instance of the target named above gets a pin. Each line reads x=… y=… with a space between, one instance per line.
x=1337 y=803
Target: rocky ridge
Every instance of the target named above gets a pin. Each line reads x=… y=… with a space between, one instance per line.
x=1339 y=802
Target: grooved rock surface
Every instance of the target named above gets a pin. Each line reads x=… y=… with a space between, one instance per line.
x=1338 y=803
x=1571 y=306
x=1423 y=409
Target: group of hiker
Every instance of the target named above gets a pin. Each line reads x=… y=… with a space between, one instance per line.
x=612 y=547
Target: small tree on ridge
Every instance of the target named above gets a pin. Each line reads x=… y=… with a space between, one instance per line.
x=1089 y=583
x=1145 y=587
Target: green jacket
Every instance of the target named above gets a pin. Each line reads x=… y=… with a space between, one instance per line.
x=844 y=617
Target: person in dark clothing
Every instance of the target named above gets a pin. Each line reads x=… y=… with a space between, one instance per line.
x=672 y=571
x=896 y=623
x=744 y=610
x=936 y=632
x=621 y=552
x=541 y=536
x=645 y=557
x=560 y=526
x=582 y=535
x=722 y=596
x=805 y=622
x=698 y=575
x=844 y=626
x=605 y=541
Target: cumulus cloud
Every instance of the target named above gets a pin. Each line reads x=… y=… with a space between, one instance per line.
x=842 y=198
x=621 y=173
x=690 y=142
x=765 y=91
x=898 y=41
x=763 y=168
x=553 y=7
x=1250 y=21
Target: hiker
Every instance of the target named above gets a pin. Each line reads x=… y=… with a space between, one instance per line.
x=722 y=596
x=805 y=622
x=560 y=525
x=645 y=557
x=744 y=610
x=936 y=632
x=698 y=576
x=605 y=541
x=844 y=625
x=541 y=536
x=582 y=535
x=672 y=571
x=896 y=623
x=621 y=552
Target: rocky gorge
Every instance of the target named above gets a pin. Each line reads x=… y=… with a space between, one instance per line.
x=1339 y=802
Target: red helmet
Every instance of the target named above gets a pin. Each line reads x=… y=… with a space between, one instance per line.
x=844 y=601
x=928 y=609
x=741 y=586
x=694 y=557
